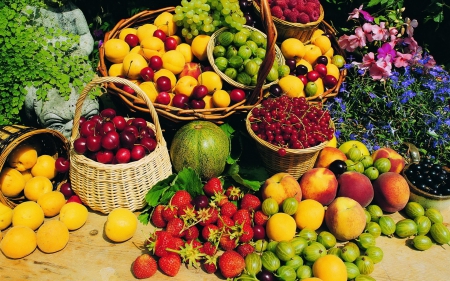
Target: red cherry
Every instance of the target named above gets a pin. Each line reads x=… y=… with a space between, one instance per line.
x=170 y=43
x=74 y=198
x=199 y=92
x=180 y=101
x=62 y=165
x=155 y=63
x=132 y=40
x=303 y=78
x=160 y=34
x=237 y=95
x=321 y=69
x=163 y=98
x=137 y=152
x=197 y=104
x=147 y=73
x=313 y=75
x=123 y=155
x=163 y=83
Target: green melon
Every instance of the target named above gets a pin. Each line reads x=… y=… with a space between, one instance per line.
x=202 y=146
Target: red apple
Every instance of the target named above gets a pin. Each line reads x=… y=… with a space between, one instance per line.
x=312 y=75
x=163 y=98
x=137 y=152
x=147 y=73
x=237 y=95
x=123 y=155
x=132 y=40
x=321 y=69
x=199 y=92
x=155 y=62
x=62 y=165
x=160 y=34
x=170 y=43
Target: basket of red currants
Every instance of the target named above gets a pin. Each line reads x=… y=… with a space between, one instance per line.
x=289 y=133
x=114 y=160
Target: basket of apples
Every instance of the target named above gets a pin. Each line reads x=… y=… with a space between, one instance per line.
x=114 y=160
x=289 y=133
x=168 y=59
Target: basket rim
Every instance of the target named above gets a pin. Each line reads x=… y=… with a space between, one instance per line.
x=212 y=43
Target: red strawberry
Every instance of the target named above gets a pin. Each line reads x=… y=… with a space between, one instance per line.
x=163 y=241
x=259 y=218
x=231 y=264
x=228 y=209
x=219 y=199
x=170 y=264
x=144 y=266
x=245 y=233
x=190 y=253
x=157 y=219
x=250 y=202
x=210 y=264
x=181 y=198
x=210 y=232
x=175 y=227
x=242 y=216
x=227 y=242
x=245 y=249
x=207 y=215
x=177 y=243
x=169 y=212
x=209 y=248
x=213 y=186
x=191 y=233
x=225 y=223
x=234 y=193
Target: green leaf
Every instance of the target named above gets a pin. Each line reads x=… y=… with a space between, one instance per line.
x=251 y=178
x=154 y=194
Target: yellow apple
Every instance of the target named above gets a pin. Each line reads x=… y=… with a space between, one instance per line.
x=281 y=186
x=185 y=85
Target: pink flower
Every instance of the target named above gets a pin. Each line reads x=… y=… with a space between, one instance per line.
x=381 y=69
x=386 y=52
x=410 y=25
x=411 y=45
x=357 y=11
x=350 y=43
x=367 y=60
x=393 y=31
x=401 y=60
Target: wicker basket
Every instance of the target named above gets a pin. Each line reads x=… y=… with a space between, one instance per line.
x=213 y=42
x=174 y=114
x=286 y=29
x=296 y=161
x=46 y=141
x=104 y=187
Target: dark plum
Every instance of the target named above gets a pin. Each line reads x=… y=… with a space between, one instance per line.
x=338 y=167
x=200 y=202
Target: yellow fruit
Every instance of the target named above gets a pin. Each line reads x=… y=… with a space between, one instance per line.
x=18 y=242
x=208 y=103
x=329 y=54
x=211 y=80
x=133 y=64
x=51 y=203
x=323 y=42
x=281 y=227
x=185 y=85
x=292 y=86
x=124 y=32
x=332 y=142
x=149 y=89
x=136 y=50
x=22 y=158
x=52 y=236
x=345 y=147
x=318 y=32
x=45 y=166
x=312 y=279
x=146 y=30
x=312 y=52
x=178 y=38
x=152 y=46
x=29 y=214
x=333 y=70
x=186 y=50
x=37 y=187
x=320 y=87
x=116 y=50
x=221 y=99
x=120 y=225
x=116 y=70
x=310 y=214
x=330 y=268
x=174 y=61
x=292 y=48
x=167 y=73
x=6 y=214
x=199 y=46
x=27 y=175
x=165 y=22
x=74 y=215
x=11 y=182
x=305 y=63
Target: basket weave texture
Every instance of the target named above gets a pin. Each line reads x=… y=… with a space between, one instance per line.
x=45 y=141
x=174 y=114
x=296 y=161
x=286 y=29
x=105 y=187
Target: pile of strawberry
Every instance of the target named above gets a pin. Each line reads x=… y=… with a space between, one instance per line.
x=214 y=232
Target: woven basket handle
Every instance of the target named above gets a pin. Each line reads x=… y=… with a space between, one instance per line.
x=139 y=92
x=271 y=32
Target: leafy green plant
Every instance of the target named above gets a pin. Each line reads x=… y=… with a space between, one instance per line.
x=29 y=60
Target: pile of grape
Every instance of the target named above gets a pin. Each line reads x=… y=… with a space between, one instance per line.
x=207 y=16
x=429 y=177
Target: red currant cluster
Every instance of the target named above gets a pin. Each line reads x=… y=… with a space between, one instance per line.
x=291 y=122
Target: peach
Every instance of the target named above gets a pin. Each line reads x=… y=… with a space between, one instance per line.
x=191 y=69
x=356 y=186
x=327 y=155
x=319 y=184
x=281 y=186
x=345 y=218
x=391 y=192
x=397 y=161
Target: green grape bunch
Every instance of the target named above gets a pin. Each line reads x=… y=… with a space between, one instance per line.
x=207 y=16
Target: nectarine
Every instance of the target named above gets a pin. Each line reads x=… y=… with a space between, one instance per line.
x=327 y=156
x=345 y=218
x=391 y=192
x=319 y=184
x=356 y=186
x=281 y=186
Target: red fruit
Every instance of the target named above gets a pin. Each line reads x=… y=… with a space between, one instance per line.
x=177 y=243
x=245 y=233
x=128 y=89
x=259 y=232
x=163 y=98
x=213 y=186
x=163 y=240
x=228 y=209
x=170 y=43
x=132 y=40
x=225 y=223
x=207 y=215
x=180 y=101
x=169 y=212
x=312 y=75
x=242 y=216
x=147 y=73
x=123 y=155
x=74 y=198
x=227 y=242
x=160 y=34
x=157 y=218
x=144 y=266
x=245 y=249
x=259 y=218
x=175 y=227
x=209 y=248
x=163 y=83
x=210 y=232
x=237 y=95
x=219 y=199
x=234 y=193
x=191 y=233
x=137 y=152
x=303 y=79
x=181 y=198
x=170 y=264
x=231 y=264
x=321 y=69
x=329 y=81
x=62 y=165
x=199 y=92
x=94 y=143
x=250 y=202
x=186 y=210
x=210 y=264
x=155 y=63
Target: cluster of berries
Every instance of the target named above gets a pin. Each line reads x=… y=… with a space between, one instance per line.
x=214 y=231
x=296 y=11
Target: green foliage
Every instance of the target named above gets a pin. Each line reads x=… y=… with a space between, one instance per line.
x=28 y=59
